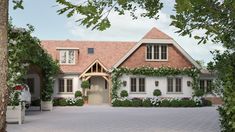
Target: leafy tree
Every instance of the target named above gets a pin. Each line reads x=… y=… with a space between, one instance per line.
x=94 y=13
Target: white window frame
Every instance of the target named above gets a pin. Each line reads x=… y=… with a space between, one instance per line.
x=65 y=85
x=67 y=56
x=205 y=81
x=174 y=85
x=160 y=52
x=137 y=85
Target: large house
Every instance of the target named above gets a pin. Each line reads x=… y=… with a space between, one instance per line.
x=95 y=60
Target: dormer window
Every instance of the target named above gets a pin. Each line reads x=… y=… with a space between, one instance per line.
x=156 y=52
x=67 y=56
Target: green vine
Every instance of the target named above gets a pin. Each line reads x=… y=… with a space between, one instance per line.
x=149 y=71
x=24 y=51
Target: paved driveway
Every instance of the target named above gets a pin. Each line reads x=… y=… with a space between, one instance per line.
x=109 y=119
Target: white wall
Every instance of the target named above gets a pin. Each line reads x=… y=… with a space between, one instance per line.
x=76 y=86
x=162 y=85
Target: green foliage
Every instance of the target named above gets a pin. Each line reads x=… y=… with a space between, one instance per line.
x=78 y=94
x=136 y=102
x=149 y=71
x=225 y=66
x=117 y=103
x=25 y=51
x=147 y=103
x=124 y=93
x=157 y=92
x=165 y=103
x=126 y=103
x=198 y=92
x=85 y=84
x=95 y=14
x=216 y=18
x=79 y=102
x=62 y=102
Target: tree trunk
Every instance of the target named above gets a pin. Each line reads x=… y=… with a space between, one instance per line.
x=3 y=63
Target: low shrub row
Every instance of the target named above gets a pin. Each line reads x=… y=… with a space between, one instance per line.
x=158 y=102
x=68 y=101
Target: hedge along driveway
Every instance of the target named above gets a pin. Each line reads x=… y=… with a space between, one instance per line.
x=110 y=119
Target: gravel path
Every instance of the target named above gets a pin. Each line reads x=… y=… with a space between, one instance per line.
x=109 y=119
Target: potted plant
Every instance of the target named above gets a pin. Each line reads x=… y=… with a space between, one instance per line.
x=46 y=98
x=85 y=85
x=16 y=107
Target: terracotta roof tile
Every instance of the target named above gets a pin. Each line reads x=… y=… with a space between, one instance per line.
x=155 y=33
x=107 y=52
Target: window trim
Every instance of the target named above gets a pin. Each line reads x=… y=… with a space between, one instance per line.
x=174 y=85
x=137 y=86
x=152 y=52
x=67 y=57
x=65 y=85
x=205 y=85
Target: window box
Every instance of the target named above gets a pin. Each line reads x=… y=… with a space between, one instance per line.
x=16 y=113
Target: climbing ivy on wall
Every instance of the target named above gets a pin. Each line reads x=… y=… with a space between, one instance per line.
x=149 y=71
x=25 y=50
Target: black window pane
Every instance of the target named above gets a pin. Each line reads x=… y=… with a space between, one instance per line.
x=149 y=51
x=61 y=85
x=141 y=84
x=169 y=84
x=163 y=52
x=69 y=85
x=178 y=85
x=202 y=85
x=156 y=51
x=133 y=84
x=209 y=85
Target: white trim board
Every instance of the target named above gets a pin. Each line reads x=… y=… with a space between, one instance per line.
x=157 y=41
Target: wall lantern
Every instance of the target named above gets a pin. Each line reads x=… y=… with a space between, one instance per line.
x=188 y=83
x=156 y=83
x=124 y=83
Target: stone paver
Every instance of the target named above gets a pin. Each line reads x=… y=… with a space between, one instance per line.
x=109 y=119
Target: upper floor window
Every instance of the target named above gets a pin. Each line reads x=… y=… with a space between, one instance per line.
x=156 y=52
x=67 y=56
x=174 y=85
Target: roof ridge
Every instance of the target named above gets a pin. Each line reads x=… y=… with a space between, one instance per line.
x=91 y=41
x=155 y=33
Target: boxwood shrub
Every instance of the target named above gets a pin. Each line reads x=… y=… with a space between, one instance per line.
x=136 y=102
x=147 y=102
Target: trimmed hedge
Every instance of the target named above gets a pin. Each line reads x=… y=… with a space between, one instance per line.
x=147 y=102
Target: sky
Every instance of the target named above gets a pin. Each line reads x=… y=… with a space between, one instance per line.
x=51 y=26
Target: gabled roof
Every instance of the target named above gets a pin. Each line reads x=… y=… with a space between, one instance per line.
x=155 y=33
x=156 y=36
x=107 y=52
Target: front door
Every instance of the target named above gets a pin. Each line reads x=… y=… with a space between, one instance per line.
x=98 y=92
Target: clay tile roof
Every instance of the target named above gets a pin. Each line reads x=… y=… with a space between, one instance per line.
x=155 y=33
x=107 y=52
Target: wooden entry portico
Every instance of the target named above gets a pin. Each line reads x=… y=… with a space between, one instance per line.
x=97 y=69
